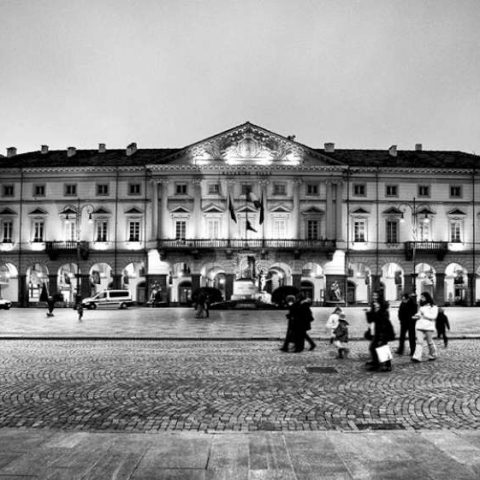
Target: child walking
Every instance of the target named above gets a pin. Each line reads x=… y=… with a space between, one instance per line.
x=441 y=324
x=341 y=336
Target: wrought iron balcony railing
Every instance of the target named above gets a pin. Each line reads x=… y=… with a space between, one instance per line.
x=439 y=249
x=54 y=249
x=279 y=244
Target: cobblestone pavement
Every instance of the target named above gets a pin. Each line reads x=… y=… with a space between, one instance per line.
x=213 y=386
x=177 y=323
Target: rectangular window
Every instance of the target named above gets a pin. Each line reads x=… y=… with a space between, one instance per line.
x=70 y=189
x=279 y=189
x=70 y=231
x=102 y=188
x=38 y=227
x=359 y=231
x=134 y=231
x=312 y=230
x=423 y=234
x=391 y=190
x=101 y=231
x=213 y=228
x=39 y=190
x=7 y=231
x=424 y=190
x=279 y=228
x=8 y=190
x=455 y=191
x=359 y=189
x=455 y=231
x=392 y=231
x=180 y=229
x=181 y=189
x=213 y=189
x=312 y=189
x=134 y=189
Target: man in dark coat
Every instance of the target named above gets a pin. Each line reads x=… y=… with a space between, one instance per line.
x=407 y=309
x=302 y=319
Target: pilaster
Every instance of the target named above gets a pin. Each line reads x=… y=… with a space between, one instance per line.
x=439 y=294
x=197 y=207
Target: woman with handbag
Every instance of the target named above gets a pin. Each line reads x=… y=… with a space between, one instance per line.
x=379 y=317
x=425 y=327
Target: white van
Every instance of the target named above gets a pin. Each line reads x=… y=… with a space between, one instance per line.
x=122 y=298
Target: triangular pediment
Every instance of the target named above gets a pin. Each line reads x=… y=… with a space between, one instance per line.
x=360 y=211
x=38 y=211
x=280 y=209
x=249 y=144
x=456 y=211
x=68 y=211
x=101 y=211
x=313 y=210
x=392 y=211
x=133 y=211
x=179 y=210
x=212 y=208
x=7 y=211
x=247 y=208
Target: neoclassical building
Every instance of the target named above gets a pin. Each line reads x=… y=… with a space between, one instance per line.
x=246 y=211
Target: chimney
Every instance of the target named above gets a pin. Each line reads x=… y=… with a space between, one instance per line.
x=11 y=152
x=102 y=148
x=329 y=147
x=44 y=149
x=418 y=147
x=392 y=151
x=291 y=137
x=71 y=151
x=131 y=149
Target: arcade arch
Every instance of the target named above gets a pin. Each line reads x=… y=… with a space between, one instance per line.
x=66 y=281
x=133 y=280
x=358 y=283
x=100 y=277
x=313 y=282
x=393 y=281
x=425 y=279
x=456 y=284
x=37 y=276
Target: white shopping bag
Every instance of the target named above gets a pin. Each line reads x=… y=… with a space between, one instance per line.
x=384 y=353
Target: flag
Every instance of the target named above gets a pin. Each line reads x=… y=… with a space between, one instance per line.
x=249 y=226
x=262 y=212
x=251 y=197
x=231 y=210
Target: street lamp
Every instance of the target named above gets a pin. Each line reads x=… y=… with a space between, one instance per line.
x=89 y=208
x=416 y=210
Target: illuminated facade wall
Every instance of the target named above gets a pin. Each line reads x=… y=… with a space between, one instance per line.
x=337 y=223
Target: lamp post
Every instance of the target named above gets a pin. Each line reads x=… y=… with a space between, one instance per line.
x=415 y=208
x=80 y=208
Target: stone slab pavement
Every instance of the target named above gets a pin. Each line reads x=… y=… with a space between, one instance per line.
x=39 y=454
x=169 y=323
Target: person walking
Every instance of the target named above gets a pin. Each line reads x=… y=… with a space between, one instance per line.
x=379 y=317
x=200 y=306
x=425 y=327
x=332 y=323
x=206 y=306
x=406 y=311
x=289 y=335
x=80 y=311
x=307 y=318
x=441 y=324
x=341 y=336
x=50 y=305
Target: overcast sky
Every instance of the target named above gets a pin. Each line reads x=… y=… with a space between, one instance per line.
x=168 y=73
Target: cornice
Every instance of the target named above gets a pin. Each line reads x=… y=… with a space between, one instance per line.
x=410 y=170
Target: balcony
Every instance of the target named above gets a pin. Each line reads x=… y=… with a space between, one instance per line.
x=56 y=249
x=297 y=246
x=440 y=249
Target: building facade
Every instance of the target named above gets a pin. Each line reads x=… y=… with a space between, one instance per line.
x=245 y=211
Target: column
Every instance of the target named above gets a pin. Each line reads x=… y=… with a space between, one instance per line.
x=263 y=196
x=339 y=223
x=197 y=208
x=162 y=227
x=195 y=281
x=329 y=214
x=297 y=185
x=297 y=280
x=22 y=291
x=154 y=232
x=375 y=282
x=229 y=279
x=52 y=284
x=471 y=289
x=117 y=281
x=439 y=294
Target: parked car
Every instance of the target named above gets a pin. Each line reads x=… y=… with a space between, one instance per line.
x=109 y=298
x=5 y=304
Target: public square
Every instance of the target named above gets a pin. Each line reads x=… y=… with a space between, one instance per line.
x=157 y=393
